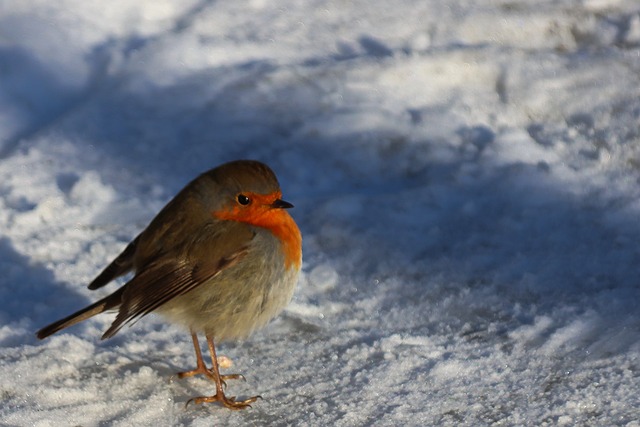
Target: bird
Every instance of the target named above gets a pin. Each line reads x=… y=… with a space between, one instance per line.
x=222 y=259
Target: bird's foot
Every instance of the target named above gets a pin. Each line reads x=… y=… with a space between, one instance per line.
x=227 y=402
x=201 y=369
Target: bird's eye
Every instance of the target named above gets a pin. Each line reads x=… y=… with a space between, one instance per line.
x=243 y=200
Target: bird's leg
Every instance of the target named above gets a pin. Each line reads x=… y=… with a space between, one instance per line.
x=229 y=402
x=201 y=368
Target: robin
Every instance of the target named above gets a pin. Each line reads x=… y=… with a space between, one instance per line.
x=222 y=258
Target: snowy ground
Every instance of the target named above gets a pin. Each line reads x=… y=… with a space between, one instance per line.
x=465 y=174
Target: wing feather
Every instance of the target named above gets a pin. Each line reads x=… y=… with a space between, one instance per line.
x=162 y=281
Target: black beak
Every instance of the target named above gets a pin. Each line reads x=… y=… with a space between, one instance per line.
x=281 y=204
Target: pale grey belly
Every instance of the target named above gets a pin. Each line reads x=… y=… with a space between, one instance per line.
x=240 y=299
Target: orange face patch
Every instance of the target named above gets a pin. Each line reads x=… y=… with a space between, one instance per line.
x=260 y=213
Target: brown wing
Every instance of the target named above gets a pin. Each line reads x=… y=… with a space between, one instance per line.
x=171 y=276
x=174 y=225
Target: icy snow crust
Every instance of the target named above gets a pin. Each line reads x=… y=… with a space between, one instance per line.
x=465 y=175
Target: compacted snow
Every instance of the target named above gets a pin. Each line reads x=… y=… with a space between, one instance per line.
x=465 y=174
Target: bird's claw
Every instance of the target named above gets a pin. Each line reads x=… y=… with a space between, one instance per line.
x=228 y=402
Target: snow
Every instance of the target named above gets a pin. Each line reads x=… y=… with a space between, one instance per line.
x=465 y=176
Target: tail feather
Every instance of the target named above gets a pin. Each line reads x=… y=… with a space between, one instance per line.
x=107 y=303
